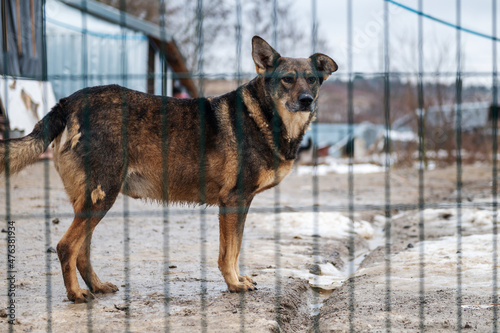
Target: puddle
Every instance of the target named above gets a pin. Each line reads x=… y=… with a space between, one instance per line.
x=317 y=298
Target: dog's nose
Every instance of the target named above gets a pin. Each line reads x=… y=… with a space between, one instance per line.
x=305 y=100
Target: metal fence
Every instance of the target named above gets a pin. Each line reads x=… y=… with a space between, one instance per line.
x=166 y=302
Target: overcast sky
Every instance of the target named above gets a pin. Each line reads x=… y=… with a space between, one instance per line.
x=368 y=29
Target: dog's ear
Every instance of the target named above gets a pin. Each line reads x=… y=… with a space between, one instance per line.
x=324 y=65
x=264 y=56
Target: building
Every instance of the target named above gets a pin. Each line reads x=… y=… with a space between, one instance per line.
x=89 y=43
x=75 y=45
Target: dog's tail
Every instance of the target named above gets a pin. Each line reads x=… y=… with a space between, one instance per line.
x=17 y=154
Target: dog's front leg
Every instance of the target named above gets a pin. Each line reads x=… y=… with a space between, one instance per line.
x=232 y=217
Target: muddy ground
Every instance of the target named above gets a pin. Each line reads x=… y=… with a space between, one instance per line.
x=149 y=260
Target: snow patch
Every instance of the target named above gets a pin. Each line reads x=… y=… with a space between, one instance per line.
x=443 y=222
x=333 y=165
x=440 y=257
x=327 y=225
x=324 y=224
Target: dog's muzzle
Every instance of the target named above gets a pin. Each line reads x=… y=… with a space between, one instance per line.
x=305 y=101
x=303 y=104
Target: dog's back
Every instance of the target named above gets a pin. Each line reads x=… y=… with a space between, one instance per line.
x=131 y=138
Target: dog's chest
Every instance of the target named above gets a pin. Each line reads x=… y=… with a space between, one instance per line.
x=271 y=177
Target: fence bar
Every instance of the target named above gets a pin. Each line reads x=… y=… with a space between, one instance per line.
x=86 y=138
x=387 y=152
x=46 y=169
x=202 y=144
x=270 y=209
x=125 y=155
x=250 y=75
x=239 y=148
x=48 y=238
x=274 y=19
x=164 y=162
x=349 y=207
x=494 y=183
x=315 y=184
x=238 y=25
x=277 y=193
x=421 y=168
x=8 y=216
x=458 y=125
x=350 y=175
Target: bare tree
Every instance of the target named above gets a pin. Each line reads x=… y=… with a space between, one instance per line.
x=181 y=22
x=292 y=33
x=144 y=9
x=218 y=30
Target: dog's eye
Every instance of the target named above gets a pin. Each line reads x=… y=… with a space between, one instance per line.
x=288 y=79
x=311 y=79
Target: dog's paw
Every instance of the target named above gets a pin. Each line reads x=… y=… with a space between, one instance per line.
x=246 y=278
x=80 y=296
x=105 y=288
x=243 y=286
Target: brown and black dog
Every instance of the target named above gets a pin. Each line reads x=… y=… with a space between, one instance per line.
x=215 y=151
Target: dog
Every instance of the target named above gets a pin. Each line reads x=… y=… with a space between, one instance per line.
x=208 y=151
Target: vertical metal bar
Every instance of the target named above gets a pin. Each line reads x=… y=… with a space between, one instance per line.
x=84 y=45
x=277 y=195
x=202 y=151
x=163 y=48
x=164 y=157
x=387 y=151
x=125 y=157
x=5 y=35
x=45 y=75
x=200 y=46
x=48 y=254
x=494 y=186
x=350 y=174
x=315 y=183
x=421 y=168
x=86 y=138
x=239 y=141
x=6 y=160
x=314 y=32
x=48 y=238
x=458 y=124
x=274 y=18
x=238 y=42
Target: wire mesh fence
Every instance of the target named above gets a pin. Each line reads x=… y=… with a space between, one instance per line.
x=413 y=246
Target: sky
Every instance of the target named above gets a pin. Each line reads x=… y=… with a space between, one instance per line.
x=440 y=47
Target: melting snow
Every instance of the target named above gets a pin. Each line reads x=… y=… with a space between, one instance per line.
x=334 y=165
x=326 y=224
x=439 y=255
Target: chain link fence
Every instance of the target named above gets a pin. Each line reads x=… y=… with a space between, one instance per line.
x=409 y=244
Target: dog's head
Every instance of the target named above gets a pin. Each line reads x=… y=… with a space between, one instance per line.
x=293 y=82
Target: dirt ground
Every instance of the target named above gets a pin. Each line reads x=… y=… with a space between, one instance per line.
x=168 y=276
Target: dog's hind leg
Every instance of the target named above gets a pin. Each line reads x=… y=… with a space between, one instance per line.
x=231 y=224
x=74 y=248
x=87 y=272
x=91 y=199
